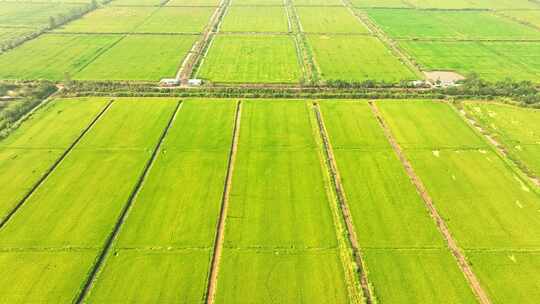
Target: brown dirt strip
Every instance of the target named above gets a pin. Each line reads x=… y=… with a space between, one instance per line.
x=344 y=206
x=44 y=177
x=473 y=281
x=196 y=54
x=220 y=232
x=127 y=207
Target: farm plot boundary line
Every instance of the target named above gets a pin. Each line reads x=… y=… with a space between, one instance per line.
x=193 y=60
x=56 y=163
x=220 y=231
x=92 y=276
x=311 y=68
x=515 y=19
x=344 y=206
x=387 y=41
x=466 y=269
x=499 y=148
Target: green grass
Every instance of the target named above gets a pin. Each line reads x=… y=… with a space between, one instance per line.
x=31 y=150
x=357 y=58
x=380 y=3
x=34 y=15
x=483 y=201
x=277 y=168
x=8 y=34
x=514 y=127
x=56 y=125
x=417 y=276
x=52 y=56
x=121 y=127
x=281 y=277
x=258 y=2
x=193 y=2
x=428 y=125
x=329 y=20
x=177 y=20
x=449 y=24
x=316 y=2
x=251 y=59
x=41 y=276
x=136 y=2
x=255 y=19
x=157 y=57
x=508 y=277
x=482 y=4
x=490 y=60
x=181 y=197
x=67 y=210
x=386 y=210
x=110 y=19
x=529 y=17
x=152 y=276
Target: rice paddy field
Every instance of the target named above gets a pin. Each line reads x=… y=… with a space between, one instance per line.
x=118 y=190
x=237 y=194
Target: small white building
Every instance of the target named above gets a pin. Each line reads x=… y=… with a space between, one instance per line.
x=169 y=82
x=195 y=82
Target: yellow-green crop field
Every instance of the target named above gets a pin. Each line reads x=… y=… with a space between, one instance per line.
x=130 y=211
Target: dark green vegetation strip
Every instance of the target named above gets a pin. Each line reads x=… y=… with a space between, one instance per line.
x=51 y=169
x=108 y=244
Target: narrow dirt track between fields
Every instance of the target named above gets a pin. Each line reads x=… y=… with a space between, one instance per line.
x=501 y=149
x=473 y=281
x=196 y=53
x=80 y=298
x=344 y=206
x=43 y=178
x=220 y=232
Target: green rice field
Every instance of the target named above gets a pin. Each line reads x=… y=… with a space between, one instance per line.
x=265 y=58
x=253 y=19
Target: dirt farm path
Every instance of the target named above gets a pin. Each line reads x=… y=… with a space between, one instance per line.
x=473 y=281
x=220 y=233
x=344 y=207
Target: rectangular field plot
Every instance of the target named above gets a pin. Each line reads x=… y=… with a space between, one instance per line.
x=357 y=58
x=380 y=3
x=53 y=56
x=179 y=203
x=478 y=4
x=329 y=20
x=257 y=276
x=43 y=276
x=509 y=277
x=193 y=2
x=317 y=2
x=169 y=277
x=177 y=20
x=8 y=34
x=428 y=125
x=32 y=14
x=67 y=210
x=110 y=20
x=514 y=127
x=31 y=150
x=255 y=19
x=490 y=60
x=449 y=24
x=258 y=3
x=278 y=179
x=136 y=2
x=386 y=210
x=140 y=57
x=417 y=276
x=495 y=212
x=251 y=59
